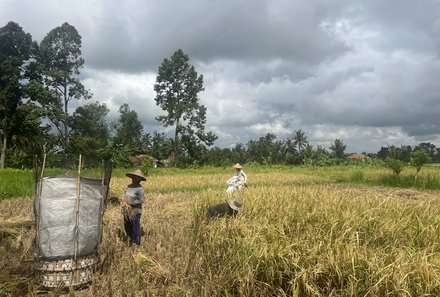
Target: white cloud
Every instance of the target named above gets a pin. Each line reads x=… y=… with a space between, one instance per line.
x=117 y=88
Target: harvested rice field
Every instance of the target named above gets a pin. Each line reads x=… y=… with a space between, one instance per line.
x=303 y=232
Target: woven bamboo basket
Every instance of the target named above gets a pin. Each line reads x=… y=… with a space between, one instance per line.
x=65 y=273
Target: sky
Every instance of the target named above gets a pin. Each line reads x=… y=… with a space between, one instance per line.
x=365 y=72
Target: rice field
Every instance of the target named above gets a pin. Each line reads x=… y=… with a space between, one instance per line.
x=303 y=232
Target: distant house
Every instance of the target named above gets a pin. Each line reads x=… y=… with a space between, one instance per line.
x=354 y=157
x=167 y=162
x=137 y=160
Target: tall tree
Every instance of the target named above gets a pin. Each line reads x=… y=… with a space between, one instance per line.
x=90 y=131
x=300 y=140
x=291 y=153
x=15 y=50
x=383 y=153
x=128 y=138
x=129 y=129
x=338 y=149
x=177 y=87
x=60 y=62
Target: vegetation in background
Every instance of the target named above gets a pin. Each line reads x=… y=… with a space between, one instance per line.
x=395 y=165
x=90 y=131
x=419 y=158
x=15 y=50
x=16 y=183
x=59 y=62
x=338 y=149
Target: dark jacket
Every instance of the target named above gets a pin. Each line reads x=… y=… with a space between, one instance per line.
x=220 y=210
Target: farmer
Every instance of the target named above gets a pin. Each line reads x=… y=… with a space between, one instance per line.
x=230 y=208
x=238 y=181
x=132 y=206
x=240 y=173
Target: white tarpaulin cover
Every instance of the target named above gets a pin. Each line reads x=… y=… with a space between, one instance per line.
x=57 y=230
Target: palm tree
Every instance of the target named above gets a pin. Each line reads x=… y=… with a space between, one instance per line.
x=338 y=148
x=300 y=140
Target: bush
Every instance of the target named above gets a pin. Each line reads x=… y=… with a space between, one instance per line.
x=395 y=165
x=418 y=159
x=357 y=175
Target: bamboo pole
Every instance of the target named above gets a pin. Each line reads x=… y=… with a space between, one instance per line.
x=76 y=228
x=37 y=211
x=103 y=191
x=35 y=169
x=78 y=194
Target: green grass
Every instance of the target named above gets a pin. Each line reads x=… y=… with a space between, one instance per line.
x=19 y=183
x=16 y=183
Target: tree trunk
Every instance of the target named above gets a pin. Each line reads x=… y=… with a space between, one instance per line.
x=65 y=139
x=176 y=137
x=3 y=151
x=417 y=173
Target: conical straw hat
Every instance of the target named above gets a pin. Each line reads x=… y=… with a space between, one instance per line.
x=237 y=166
x=236 y=204
x=137 y=173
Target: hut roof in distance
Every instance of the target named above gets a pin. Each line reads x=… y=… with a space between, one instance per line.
x=357 y=156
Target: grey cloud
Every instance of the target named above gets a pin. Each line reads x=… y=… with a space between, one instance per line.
x=362 y=71
x=213 y=30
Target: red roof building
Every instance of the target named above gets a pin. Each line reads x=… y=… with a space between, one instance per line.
x=357 y=157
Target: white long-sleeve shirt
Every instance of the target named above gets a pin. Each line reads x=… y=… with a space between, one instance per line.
x=242 y=176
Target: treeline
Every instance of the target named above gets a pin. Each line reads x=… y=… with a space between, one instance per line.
x=298 y=151
x=39 y=80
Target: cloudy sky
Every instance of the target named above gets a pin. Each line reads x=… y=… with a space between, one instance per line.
x=366 y=72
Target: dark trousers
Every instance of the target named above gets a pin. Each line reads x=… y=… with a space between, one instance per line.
x=133 y=228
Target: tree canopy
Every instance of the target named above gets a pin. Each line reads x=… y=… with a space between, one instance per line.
x=15 y=50
x=338 y=148
x=90 y=131
x=60 y=62
x=177 y=87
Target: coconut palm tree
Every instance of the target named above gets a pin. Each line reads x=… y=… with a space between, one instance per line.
x=300 y=140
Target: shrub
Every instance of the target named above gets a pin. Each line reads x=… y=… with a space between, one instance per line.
x=418 y=159
x=395 y=165
x=357 y=175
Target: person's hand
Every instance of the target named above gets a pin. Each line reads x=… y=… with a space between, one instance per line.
x=126 y=209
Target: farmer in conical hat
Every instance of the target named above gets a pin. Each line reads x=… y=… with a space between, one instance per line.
x=132 y=206
x=240 y=173
x=231 y=208
x=238 y=181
